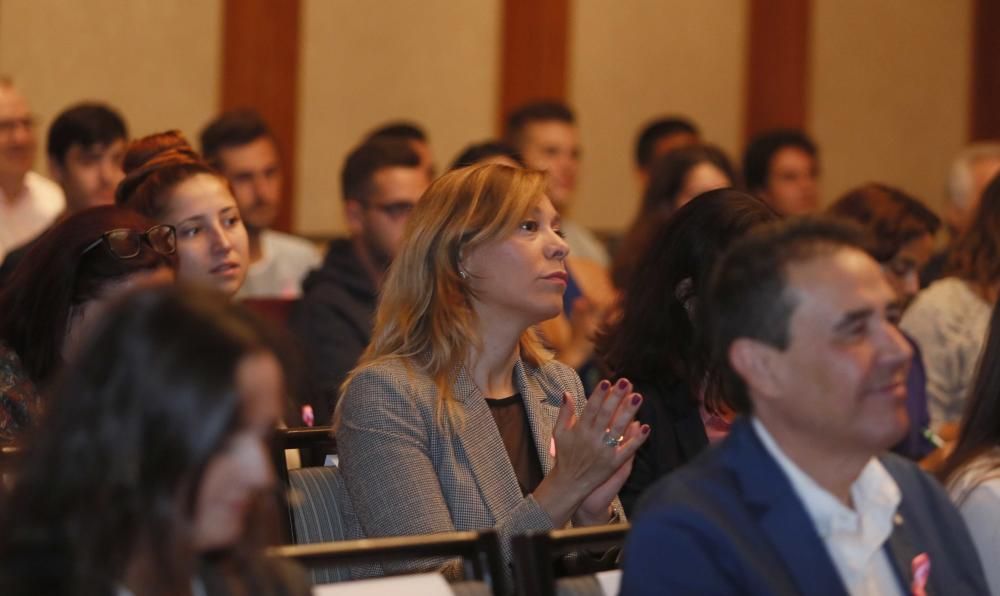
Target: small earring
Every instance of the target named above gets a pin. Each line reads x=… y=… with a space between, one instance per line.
x=463 y=274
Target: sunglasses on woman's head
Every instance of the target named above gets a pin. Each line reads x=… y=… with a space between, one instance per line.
x=127 y=244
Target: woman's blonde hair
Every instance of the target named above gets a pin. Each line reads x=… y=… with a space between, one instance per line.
x=425 y=315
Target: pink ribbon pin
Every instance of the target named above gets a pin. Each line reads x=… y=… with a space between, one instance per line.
x=921 y=566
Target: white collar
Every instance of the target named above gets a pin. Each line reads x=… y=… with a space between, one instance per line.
x=874 y=492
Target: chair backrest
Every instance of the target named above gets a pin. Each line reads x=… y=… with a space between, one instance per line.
x=536 y=553
x=275 y=310
x=322 y=512
x=314 y=444
x=9 y=455
x=479 y=550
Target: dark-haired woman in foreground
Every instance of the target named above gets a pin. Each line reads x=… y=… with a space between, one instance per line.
x=657 y=343
x=60 y=287
x=154 y=454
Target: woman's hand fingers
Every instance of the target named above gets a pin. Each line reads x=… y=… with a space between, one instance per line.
x=627 y=410
x=635 y=435
x=606 y=413
x=593 y=406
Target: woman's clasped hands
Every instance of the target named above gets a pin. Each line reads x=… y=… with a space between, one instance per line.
x=594 y=453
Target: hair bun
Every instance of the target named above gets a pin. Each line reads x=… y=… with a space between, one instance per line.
x=152 y=165
x=147 y=149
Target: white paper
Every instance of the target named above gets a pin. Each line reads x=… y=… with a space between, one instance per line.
x=419 y=584
x=610 y=581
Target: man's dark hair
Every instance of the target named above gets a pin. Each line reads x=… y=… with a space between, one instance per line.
x=234 y=128
x=84 y=124
x=654 y=131
x=761 y=149
x=748 y=297
x=370 y=157
x=477 y=152
x=539 y=111
x=409 y=131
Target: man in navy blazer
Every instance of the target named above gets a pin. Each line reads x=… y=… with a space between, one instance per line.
x=801 y=497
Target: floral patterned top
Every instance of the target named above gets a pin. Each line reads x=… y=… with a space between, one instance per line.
x=20 y=401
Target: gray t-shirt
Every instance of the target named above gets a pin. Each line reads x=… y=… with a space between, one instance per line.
x=948 y=321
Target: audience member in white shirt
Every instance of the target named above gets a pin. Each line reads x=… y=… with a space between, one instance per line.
x=28 y=202
x=241 y=146
x=85 y=148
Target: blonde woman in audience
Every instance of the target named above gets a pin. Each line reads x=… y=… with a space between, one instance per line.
x=149 y=476
x=949 y=319
x=456 y=419
x=167 y=181
x=972 y=471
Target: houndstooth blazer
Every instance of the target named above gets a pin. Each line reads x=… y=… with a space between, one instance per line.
x=407 y=474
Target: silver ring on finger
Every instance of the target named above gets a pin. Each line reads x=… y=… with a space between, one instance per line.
x=611 y=440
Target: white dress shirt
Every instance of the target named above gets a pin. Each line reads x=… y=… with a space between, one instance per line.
x=853 y=538
x=28 y=214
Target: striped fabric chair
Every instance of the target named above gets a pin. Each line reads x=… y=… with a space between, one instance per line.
x=322 y=512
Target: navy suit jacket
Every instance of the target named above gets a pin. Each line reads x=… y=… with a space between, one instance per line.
x=731 y=523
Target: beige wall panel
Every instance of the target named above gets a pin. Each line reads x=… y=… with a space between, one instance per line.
x=633 y=60
x=158 y=62
x=890 y=92
x=435 y=61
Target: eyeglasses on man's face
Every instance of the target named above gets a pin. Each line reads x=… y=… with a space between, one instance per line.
x=396 y=210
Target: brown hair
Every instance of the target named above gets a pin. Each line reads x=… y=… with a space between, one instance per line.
x=56 y=276
x=976 y=257
x=154 y=165
x=891 y=217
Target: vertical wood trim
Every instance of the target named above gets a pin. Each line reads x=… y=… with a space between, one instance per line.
x=534 y=56
x=778 y=59
x=984 y=120
x=260 y=70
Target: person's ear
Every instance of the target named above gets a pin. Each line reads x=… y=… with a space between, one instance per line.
x=354 y=217
x=759 y=365
x=466 y=262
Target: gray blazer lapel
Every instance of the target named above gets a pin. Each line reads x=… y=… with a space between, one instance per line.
x=541 y=403
x=484 y=448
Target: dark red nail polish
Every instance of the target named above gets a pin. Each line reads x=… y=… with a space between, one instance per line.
x=622 y=383
x=605 y=385
x=636 y=399
x=645 y=429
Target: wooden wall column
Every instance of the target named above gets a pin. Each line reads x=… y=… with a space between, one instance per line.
x=779 y=49
x=260 y=70
x=984 y=120
x=535 y=53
